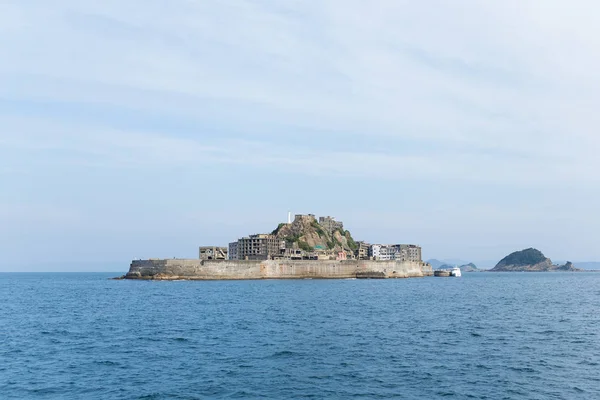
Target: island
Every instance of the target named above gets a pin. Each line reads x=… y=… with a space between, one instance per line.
x=307 y=247
x=530 y=260
x=470 y=267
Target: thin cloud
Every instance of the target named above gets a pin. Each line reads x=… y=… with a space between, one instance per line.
x=405 y=94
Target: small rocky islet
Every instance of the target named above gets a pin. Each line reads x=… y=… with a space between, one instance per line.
x=530 y=260
x=470 y=267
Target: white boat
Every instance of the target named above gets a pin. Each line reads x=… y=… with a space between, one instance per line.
x=455 y=272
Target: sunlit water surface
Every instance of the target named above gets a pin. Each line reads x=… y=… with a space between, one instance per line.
x=485 y=335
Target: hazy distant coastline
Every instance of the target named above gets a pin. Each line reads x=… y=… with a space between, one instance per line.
x=539 y=264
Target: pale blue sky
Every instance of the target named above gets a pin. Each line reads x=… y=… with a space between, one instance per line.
x=134 y=129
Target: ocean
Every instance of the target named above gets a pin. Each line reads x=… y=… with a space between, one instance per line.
x=482 y=336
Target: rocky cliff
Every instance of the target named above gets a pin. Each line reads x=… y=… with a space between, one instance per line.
x=531 y=260
x=307 y=234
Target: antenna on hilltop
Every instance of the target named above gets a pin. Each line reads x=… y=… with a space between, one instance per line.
x=289 y=217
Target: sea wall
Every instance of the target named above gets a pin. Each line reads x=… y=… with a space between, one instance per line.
x=172 y=269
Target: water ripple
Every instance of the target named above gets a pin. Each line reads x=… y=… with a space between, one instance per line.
x=484 y=336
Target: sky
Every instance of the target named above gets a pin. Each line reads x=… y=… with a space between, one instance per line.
x=146 y=128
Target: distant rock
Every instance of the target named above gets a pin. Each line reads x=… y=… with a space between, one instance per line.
x=470 y=267
x=568 y=267
x=435 y=264
x=588 y=265
x=531 y=260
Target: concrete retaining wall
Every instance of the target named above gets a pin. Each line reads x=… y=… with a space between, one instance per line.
x=172 y=269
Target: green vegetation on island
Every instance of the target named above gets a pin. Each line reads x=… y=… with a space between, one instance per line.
x=524 y=258
x=308 y=234
x=531 y=260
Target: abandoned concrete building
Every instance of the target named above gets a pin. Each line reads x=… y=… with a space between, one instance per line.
x=213 y=253
x=269 y=247
x=398 y=252
x=362 y=251
x=330 y=224
x=256 y=247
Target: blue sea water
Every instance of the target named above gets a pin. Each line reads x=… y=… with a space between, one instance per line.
x=483 y=336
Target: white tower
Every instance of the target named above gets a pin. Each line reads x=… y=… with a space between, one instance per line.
x=289 y=217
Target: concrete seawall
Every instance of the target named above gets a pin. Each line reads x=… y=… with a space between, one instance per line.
x=174 y=269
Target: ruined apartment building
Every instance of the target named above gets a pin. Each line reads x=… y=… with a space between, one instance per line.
x=256 y=247
x=398 y=252
x=330 y=224
x=362 y=251
x=212 y=253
